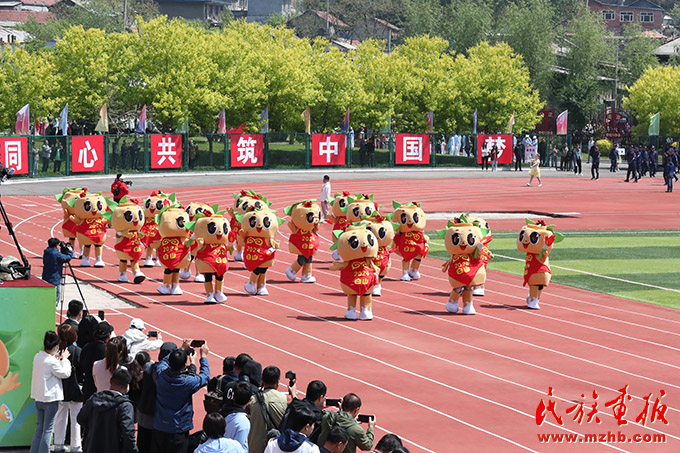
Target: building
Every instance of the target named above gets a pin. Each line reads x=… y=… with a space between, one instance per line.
x=375 y=29
x=206 y=10
x=312 y=23
x=10 y=19
x=261 y=10
x=618 y=13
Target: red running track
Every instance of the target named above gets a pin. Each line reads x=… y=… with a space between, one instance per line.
x=443 y=382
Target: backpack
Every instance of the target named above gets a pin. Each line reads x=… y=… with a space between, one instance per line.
x=214 y=399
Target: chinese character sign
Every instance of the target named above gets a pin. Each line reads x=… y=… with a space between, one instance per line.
x=166 y=151
x=247 y=150
x=502 y=141
x=87 y=153
x=328 y=149
x=14 y=154
x=412 y=149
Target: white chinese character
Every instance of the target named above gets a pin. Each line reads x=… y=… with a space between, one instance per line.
x=413 y=148
x=167 y=150
x=498 y=141
x=13 y=154
x=328 y=148
x=83 y=155
x=246 y=150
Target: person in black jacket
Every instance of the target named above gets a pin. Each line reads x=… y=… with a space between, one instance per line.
x=108 y=418
x=315 y=400
x=73 y=396
x=92 y=352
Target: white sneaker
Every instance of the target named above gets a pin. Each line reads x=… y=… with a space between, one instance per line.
x=451 y=306
x=99 y=262
x=149 y=262
x=163 y=289
x=478 y=291
x=123 y=278
x=251 y=288
x=366 y=314
x=238 y=256
x=414 y=274
x=336 y=255
x=219 y=297
x=85 y=262
x=139 y=277
x=290 y=274
x=185 y=274
x=351 y=314
x=176 y=290
x=377 y=290
x=210 y=299
x=468 y=309
x=540 y=184
x=262 y=291
x=532 y=303
x=308 y=278
x=199 y=278
x=158 y=262
x=405 y=277
x=528 y=185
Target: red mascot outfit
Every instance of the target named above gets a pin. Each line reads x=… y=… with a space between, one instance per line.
x=537 y=240
x=304 y=239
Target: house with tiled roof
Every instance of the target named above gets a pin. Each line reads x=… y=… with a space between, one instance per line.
x=618 y=13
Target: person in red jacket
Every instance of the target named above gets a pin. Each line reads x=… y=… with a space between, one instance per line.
x=120 y=188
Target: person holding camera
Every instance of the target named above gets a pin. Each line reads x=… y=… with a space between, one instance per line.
x=53 y=262
x=314 y=400
x=120 y=188
x=139 y=341
x=267 y=407
x=348 y=417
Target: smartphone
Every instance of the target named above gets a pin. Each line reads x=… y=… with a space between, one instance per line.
x=334 y=402
x=364 y=418
x=153 y=333
x=101 y=314
x=85 y=313
x=197 y=343
x=290 y=375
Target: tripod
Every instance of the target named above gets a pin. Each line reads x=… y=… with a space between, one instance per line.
x=25 y=271
x=63 y=285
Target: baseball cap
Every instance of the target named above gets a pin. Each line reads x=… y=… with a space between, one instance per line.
x=137 y=324
x=104 y=328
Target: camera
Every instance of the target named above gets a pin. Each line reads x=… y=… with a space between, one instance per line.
x=6 y=172
x=65 y=247
x=365 y=418
x=290 y=375
x=333 y=402
x=129 y=183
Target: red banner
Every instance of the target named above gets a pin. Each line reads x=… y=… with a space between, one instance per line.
x=14 y=154
x=412 y=149
x=328 y=149
x=502 y=141
x=247 y=150
x=166 y=151
x=87 y=153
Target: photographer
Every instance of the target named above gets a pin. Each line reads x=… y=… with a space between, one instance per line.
x=348 y=418
x=53 y=262
x=120 y=188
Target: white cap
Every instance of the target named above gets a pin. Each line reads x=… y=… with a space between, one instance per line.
x=137 y=324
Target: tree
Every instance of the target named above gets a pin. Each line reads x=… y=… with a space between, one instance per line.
x=637 y=55
x=423 y=17
x=657 y=90
x=467 y=23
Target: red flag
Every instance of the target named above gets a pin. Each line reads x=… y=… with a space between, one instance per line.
x=22 y=126
x=222 y=122
x=345 y=123
x=562 y=123
x=430 y=122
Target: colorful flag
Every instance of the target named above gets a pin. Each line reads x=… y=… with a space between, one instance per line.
x=654 y=124
x=430 y=122
x=141 y=125
x=307 y=116
x=63 y=120
x=474 y=122
x=264 y=121
x=344 y=129
x=561 y=123
x=103 y=124
x=22 y=126
x=511 y=123
x=222 y=122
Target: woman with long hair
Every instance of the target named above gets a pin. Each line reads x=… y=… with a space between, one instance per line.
x=116 y=355
x=73 y=395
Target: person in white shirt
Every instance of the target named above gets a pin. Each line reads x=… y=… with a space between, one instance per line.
x=138 y=341
x=325 y=197
x=50 y=366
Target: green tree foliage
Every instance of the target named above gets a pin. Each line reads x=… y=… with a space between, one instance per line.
x=423 y=17
x=637 y=54
x=467 y=23
x=658 y=90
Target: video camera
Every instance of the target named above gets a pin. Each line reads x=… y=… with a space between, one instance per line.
x=65 y=247
x=6 y=172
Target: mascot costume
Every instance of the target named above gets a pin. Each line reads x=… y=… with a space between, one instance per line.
x=410 y=241
x=304 y=239
x=192 y=209
x=359 y=206
x=242 y=202
x=357 y=247
x=150 y=235
x=482 y=224
x=88 y=209
x=536 y=240
x=338 y=216
x=127 y=218
x=467 y=244
x=173 y=251
x=211 y=232
x=383 y=230
x=68 y=227
x=258 y=229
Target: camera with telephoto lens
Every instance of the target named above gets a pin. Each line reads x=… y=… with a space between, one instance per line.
x=129 y=183
x=65 y=248
x=6 y=172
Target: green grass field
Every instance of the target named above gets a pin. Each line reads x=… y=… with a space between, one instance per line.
x=641 y=265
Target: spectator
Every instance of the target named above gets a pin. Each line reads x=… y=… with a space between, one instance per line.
x=175 y=387
x=362 y=147
x=325 y=197
x=252 y=374
x=53 y=264
x=92 y=352
x=519 y=155
x=370 y=150
x=228 y=374
x=102 y=370
x=266 y=409
x=58 y=157
x=388 y=443
x=74 y=313
x=115 y=154
x=553 y=156
x=543 y=151
x=46 y=153
x=336 y=441
x=613 y=159
x=485 y=157
x=73 y=395
x=213 y=427
x=193 y=153
x=295 y=439
x=494 y=157
x=138 y=341
x=108 y=418
x=314 y=400
x=35 y=154
x=346 y=418
x=134 y=151
x=578 y=168
x=595 y=158
x=238 y=425
x=50 y=366
x=670 y=174
x=124 y=153
x=119 y=188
